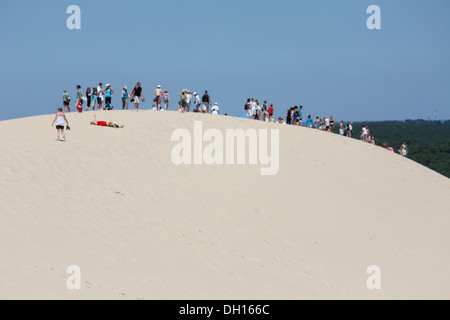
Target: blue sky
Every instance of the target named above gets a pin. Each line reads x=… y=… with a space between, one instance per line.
x=318 y=54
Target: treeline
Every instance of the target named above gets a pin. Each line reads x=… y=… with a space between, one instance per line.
x=428 y=141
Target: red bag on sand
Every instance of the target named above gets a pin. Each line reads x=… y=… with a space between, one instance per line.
x=79 y=107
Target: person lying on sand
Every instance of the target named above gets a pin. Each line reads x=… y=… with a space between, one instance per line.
x=104 y=123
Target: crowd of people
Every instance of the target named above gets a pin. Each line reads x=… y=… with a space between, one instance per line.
x=101 y=97
x=294 y=116
x=190 y=100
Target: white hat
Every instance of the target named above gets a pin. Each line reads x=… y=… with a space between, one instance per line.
x=108 y=85
x=195 y=93
x=159 y=86
x=215 y=104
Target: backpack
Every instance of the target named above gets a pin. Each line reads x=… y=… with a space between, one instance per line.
x=94 y=91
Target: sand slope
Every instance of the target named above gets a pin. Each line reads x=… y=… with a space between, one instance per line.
x=139 y=227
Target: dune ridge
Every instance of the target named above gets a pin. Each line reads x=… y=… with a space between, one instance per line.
x=112 y=202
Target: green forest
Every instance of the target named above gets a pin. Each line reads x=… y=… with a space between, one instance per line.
x=428 y=141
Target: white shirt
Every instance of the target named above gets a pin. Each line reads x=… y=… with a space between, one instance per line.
x=327 y=122
x=215 y=110
x=100 y=92
x=60 y=121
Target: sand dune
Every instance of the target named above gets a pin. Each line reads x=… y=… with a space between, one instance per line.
x=112 y=202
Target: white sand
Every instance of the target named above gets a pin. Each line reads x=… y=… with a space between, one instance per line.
x=112 y=202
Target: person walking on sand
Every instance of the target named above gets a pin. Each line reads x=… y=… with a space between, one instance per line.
x=327 y=124
x=271 y=112
x=60 y=121
x=404 y=149
x=158 y=97
x=206 y=99
x=332 y=124
x=94 y=97
x=309 y=122
x=66 y=101
x=79 y=101
x=341 y=128
x=89 y=98
x=248 y=108
x=197 y=103
x=136 y=95
x=183 y=100
x=125 y=98
x=166 y=98
x=100 y=97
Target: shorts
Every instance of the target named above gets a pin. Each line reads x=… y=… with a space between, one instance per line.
x=99 y=100
x=60 y=127
x=137 y=99
x=108 y=100
x=66 y=103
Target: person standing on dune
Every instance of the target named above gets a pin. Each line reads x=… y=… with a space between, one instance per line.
x=125 y=98
x=100 y=97
x=94 y=97
x=136 y=95
x=89 y=99
x=61 y=121
x=79 y=101
x=271 y=112
x=166 y=98
x=66 y=101
x=158 y=97
x=108 y=96
x=206 y=99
